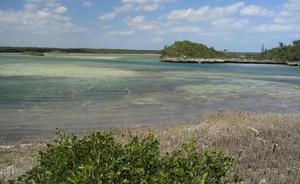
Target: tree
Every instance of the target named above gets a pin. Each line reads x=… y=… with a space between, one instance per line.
x=296 y=42
x=281 y=45
x=263 y=48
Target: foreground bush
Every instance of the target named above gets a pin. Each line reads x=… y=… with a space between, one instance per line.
x=98 y=158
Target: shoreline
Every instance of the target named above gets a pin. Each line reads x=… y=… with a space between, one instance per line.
x=83 y=54
x=227 y=61
x=98 y=54
x=259 y=143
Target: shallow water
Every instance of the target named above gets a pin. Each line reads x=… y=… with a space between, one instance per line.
x=81 y=93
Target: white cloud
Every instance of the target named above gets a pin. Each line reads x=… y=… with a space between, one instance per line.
x=137 y=5
x=60 y=9
x=209 y=23
x=254 y=10
x=230 y=22
x=121 y=33
x=177 y=22
x=140 y=23
x=290 y=9
x=273 y=28
x=292 y=5
x=108 y=16
x=204 y=13
x=144 y=5
x=286 y=20
x=43 y=17
x=149 y=7
x=158 y=27
x=87 y=4
x=184 y=29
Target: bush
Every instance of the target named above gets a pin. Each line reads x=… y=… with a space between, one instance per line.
x=98 y=158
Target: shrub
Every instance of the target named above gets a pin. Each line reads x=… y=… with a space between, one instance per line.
x=98 y=158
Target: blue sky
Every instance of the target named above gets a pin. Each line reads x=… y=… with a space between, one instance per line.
x=149 y=24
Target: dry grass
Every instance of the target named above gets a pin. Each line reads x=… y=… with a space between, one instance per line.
x=15 y=161
x=266 y=146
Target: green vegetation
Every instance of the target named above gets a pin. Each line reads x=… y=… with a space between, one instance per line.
x=284 y=52
x=259 y=142
x=190 y=50
x=187 y=49
x=33 y=53
x=75 y=50
x=98 y=158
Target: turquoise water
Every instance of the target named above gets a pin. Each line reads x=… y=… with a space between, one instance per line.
x=82 y=93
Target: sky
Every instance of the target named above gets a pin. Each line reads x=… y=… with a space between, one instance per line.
x=149 y=24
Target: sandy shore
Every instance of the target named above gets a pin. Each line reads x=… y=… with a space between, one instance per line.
x=82 y=54
x=101 y=54
x=266 y=146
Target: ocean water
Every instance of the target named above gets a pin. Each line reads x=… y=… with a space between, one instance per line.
x=81 y=93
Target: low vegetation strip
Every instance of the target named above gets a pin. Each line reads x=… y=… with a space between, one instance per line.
x=32 y=53
x=265 y=146
x=74 y=50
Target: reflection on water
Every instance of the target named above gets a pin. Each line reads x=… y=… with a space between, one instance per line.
x=78 y=93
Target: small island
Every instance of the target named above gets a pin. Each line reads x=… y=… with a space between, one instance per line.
x=189 y=52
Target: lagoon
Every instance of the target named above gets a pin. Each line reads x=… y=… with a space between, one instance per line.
x=90 y=92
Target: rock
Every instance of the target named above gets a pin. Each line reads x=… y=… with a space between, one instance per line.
x=231 y=60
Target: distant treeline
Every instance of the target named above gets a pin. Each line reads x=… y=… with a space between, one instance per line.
x=76 y=50
x=284 y=52
x=180 y=49
x=187 y=49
